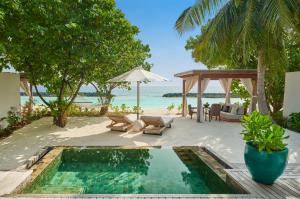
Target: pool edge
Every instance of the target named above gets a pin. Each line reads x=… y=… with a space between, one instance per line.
x=229 y=180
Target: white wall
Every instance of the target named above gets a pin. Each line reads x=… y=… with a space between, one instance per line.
x=9 y=92
x=291 y=93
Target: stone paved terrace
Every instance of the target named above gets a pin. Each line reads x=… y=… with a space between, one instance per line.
x=222 y=137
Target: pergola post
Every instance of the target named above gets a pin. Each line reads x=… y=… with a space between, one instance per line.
x=199 y=100
x=254 y=95
x=183 y=99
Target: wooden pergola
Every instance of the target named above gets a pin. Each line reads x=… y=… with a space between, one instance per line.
x=199 y=77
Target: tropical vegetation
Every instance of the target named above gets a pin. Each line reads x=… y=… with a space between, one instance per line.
x=170 y=107
x=246 y=34
x=123 y=108
x=126 y=55
x=293 y=122
x=261 y=133
x=62 y=45
x=16 y=119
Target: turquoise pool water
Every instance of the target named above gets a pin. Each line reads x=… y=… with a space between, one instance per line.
x=128 y=171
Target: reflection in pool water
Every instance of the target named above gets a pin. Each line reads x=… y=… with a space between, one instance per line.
x=128 y=171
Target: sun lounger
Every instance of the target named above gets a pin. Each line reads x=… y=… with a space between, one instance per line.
x=156 y=124
x=120 y=122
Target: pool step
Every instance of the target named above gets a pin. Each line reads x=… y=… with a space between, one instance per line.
x=51 y=189
x=184 y=155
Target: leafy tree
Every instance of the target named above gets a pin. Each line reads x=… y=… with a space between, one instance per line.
x=292 y=43
x=275 y=74
x=59 y=44
x=275 y=77
x=253 y=28
x=126 y=55
x=239 y=90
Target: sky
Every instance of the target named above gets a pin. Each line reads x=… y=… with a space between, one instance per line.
x=156 y=19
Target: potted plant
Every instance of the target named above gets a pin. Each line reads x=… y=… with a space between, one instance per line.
x=265 y=152
x=206 y=105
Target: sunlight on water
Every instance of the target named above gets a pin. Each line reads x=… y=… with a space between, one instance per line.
x=151 y=97
x=128 y=171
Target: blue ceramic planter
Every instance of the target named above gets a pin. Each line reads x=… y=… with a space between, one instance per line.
x=265 y=167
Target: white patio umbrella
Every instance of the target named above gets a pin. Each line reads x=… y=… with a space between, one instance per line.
x=138 y=75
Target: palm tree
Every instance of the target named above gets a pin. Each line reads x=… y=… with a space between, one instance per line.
x=255 y=26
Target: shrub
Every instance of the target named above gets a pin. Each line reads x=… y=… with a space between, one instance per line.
x=14 y=117
x=179 y=108
x=124 y=108
x=293 y=122
x=115 y=109
x=136 y=109
x=206 y=105
x=78 y=111
x=170 y=107
x=278 y=118
x=36 y=114
x=262 y=133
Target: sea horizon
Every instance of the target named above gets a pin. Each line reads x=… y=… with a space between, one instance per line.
x=151 y=97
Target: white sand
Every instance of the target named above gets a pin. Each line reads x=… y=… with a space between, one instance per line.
x=223 y=137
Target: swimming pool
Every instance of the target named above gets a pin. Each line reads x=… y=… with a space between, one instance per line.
x=127 y=171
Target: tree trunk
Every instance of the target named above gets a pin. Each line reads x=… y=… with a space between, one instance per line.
x=261 y=94
x=103 y=109
x=60 y=120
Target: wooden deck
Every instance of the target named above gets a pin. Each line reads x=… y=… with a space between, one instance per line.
x=287 y=186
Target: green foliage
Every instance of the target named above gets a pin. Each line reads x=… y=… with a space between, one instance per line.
x=292 y=43
x=136 y=109
x=78 y=111
x=170 y=107
x=56 y=107
x=293 y=122
x=124 y=108
x=254 y=26
x=62 y=44
x=37 y=113
x=274 y=83
x=278 y=118
x=206 y=105
x=239 y=90
x=124 y=56
x=14 y=117
x=116 y=109
x=179 y=108
x=262 y=133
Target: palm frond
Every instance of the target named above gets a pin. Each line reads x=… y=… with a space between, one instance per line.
x=277 y=13
x=197 y=14
x=247 y=30
x=219 y=30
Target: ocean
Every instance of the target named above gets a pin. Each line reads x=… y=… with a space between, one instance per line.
x=151 y=97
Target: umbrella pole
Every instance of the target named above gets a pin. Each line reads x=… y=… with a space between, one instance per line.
x=138 y=99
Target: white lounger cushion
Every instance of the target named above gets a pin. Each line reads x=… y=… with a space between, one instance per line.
x=157 y=120
x=122 y=117
x=121 y=122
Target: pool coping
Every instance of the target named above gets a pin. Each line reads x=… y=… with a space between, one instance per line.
x=34 y=162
